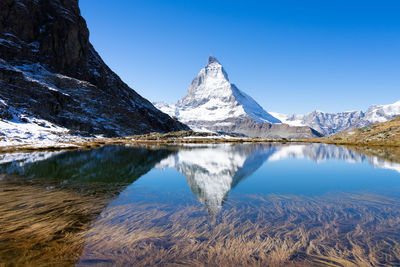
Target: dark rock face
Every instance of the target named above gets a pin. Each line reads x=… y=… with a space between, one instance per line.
x=49 y=70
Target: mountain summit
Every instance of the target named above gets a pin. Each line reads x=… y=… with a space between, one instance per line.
x=212 y=59
x=213 y=103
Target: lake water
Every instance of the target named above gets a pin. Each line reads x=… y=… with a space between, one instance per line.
x=200 y=205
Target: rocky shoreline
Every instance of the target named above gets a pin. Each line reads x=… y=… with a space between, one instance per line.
x=181 y=137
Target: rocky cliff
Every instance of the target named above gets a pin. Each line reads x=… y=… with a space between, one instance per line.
x=51 y=74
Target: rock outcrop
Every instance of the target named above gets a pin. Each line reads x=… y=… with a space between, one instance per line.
x=49 y=70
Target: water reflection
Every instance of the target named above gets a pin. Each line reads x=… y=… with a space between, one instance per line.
x=322 y=152
x=112 y=164
x=84 y=207
x=43 y=219
x=211 y=171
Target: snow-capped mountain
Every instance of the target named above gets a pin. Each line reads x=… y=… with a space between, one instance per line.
x=382 y=113
x=214 y=103
x=211 y=97
x=325 y=123
x=331 y=123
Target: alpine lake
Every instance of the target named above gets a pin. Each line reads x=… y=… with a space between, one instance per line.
x=201 y=205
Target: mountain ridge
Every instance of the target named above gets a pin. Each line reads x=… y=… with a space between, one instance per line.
x=53 y=80
x=331 y=123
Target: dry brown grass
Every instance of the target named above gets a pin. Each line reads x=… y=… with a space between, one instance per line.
x=379 y=134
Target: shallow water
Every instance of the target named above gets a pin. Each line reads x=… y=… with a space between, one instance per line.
x=200 y=205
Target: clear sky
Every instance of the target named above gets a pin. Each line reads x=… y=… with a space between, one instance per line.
x=290 y=56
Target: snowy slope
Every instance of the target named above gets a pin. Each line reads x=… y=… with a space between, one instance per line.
x=212 y=98
x=382 y=113
x=294 y=119
x=34 y=131
x=20 y=128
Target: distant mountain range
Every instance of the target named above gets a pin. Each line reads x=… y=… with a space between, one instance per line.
x=213 y=103
x=383 y=133
x=331 y=123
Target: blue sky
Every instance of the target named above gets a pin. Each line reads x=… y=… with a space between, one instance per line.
x=290 y=56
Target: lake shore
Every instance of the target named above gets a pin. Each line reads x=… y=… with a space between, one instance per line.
x=183 y=137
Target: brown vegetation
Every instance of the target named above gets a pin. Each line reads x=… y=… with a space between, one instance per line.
x=380 y=134
x=41 y=225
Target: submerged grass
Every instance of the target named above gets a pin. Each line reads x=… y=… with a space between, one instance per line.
x=45 y=226
x=351 y=230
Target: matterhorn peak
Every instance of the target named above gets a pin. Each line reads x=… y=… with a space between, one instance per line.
x=214 y=70
x=213 y=103
x=212 y=59
x=211 y=97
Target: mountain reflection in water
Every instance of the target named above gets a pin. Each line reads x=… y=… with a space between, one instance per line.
x=212 y=171
x=95 y=207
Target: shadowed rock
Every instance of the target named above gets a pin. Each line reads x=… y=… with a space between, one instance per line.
x=49 y=70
